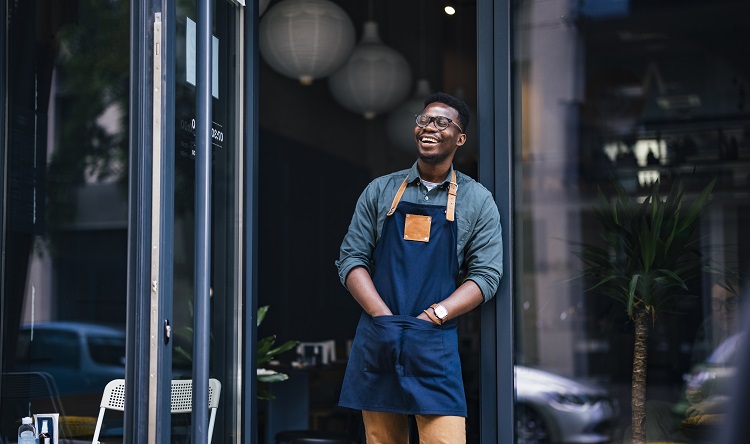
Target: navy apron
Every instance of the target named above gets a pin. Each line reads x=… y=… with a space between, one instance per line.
x=399 y=363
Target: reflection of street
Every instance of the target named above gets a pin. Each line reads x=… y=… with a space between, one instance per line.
x=76 y=361
x=704 y=401
x=552 y=408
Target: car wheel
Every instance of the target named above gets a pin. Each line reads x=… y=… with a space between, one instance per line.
x=530 y=427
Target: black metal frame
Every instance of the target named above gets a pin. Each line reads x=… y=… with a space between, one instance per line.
x=139 y=217
x=249 y=426
x=3 y=151
x=496 y=173
x=3 y=156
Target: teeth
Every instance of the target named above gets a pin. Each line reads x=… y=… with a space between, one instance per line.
x=429 y=140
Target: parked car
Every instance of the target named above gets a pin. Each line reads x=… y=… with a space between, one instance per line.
x=81 y=358
x=554 y=409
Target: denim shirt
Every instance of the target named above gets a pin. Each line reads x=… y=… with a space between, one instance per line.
x=479 y=246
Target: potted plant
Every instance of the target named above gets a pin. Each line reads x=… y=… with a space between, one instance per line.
x=648 y=255
x=266 y=352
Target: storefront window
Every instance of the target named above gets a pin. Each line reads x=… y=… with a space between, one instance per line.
x=66 y=212
x=627 y=94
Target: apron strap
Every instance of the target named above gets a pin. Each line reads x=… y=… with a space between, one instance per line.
x=450 y=207
x=396 y=199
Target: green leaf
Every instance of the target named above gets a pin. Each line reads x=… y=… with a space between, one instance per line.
x=631 y=294
x=275 y=377
x=288 y=345
x=261 y=315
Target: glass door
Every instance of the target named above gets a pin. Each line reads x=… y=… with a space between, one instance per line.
x=67 y=279
x=223 y=247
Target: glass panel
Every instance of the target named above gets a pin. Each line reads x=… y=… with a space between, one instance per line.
x=225 y=319
x=625 y=95
x=64 y=287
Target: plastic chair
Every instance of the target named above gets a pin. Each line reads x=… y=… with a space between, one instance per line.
x=113 y=398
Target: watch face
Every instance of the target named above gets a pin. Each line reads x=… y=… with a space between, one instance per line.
x=441 y=312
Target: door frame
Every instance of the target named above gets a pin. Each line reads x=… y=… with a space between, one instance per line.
x=495 y=172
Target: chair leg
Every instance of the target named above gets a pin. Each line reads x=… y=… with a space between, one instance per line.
x=95 y=439
x=211 y=425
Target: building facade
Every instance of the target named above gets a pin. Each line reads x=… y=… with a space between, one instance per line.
x=163 y=178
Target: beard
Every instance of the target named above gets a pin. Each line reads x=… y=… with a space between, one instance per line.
x=434 y=158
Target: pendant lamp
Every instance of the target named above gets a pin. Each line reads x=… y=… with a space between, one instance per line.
x=374 y=80
x=401 y=121
x=306 y=39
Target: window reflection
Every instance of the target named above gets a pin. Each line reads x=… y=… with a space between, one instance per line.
x=630 y=93
x=66 y=237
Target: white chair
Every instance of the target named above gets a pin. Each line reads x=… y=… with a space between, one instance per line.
x=113 y=398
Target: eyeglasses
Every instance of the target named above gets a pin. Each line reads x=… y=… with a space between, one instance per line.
x=441 y=122
x=729 y=303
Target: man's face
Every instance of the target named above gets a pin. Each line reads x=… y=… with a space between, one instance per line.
x=724 y=304
x=435 y=145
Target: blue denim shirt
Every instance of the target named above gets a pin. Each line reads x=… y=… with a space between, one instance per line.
x=479 y=248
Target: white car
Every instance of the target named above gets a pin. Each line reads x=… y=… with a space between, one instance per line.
x=554 y=409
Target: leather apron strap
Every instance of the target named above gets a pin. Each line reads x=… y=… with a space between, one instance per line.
x=450 y=207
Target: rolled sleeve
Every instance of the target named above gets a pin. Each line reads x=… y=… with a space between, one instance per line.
x=484 y=250
x=359 y=242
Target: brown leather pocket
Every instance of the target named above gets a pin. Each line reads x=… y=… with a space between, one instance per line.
x=417 y=228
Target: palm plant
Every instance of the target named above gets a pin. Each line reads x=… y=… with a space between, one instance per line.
x=650 y=255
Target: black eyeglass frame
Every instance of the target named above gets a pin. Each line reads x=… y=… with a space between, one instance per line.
x=435 y=119
x=729 y=303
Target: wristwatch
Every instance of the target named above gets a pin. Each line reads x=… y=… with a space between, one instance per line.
x=440 y=312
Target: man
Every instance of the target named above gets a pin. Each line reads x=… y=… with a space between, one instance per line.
x=423 y=247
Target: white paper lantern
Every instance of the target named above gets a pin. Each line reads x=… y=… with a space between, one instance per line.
x=306 y=39
x=374 y=80
x=401 y=121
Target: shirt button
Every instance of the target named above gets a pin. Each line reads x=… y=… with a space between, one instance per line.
x=427 y=198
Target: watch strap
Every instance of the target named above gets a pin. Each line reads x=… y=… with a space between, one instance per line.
x=434 y=308
x=433 y=318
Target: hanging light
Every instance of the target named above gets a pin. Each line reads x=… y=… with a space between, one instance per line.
x=449 y=8
x=306 y=39
x=374 y=80
x=401 y=121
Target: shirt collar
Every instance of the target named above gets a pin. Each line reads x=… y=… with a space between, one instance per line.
x=414 y=175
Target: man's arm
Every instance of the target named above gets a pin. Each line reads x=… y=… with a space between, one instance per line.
x=360 y=285
x=467 y=297
x=484 y=260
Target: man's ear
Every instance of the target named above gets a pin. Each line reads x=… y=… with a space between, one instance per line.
x=461 y=140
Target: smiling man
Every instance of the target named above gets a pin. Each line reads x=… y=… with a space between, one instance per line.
x=423 y=248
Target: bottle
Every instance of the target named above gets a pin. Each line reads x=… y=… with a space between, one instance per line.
x=44 y=434
x=27 y=432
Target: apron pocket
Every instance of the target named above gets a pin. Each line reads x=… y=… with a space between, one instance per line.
x=423 y=351
x=381 y=345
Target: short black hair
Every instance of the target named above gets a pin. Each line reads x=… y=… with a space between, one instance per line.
x=459 y=105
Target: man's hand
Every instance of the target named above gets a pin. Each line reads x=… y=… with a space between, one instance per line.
x=359 y=283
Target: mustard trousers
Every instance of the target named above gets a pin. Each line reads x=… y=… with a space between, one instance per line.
x=393 y=428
